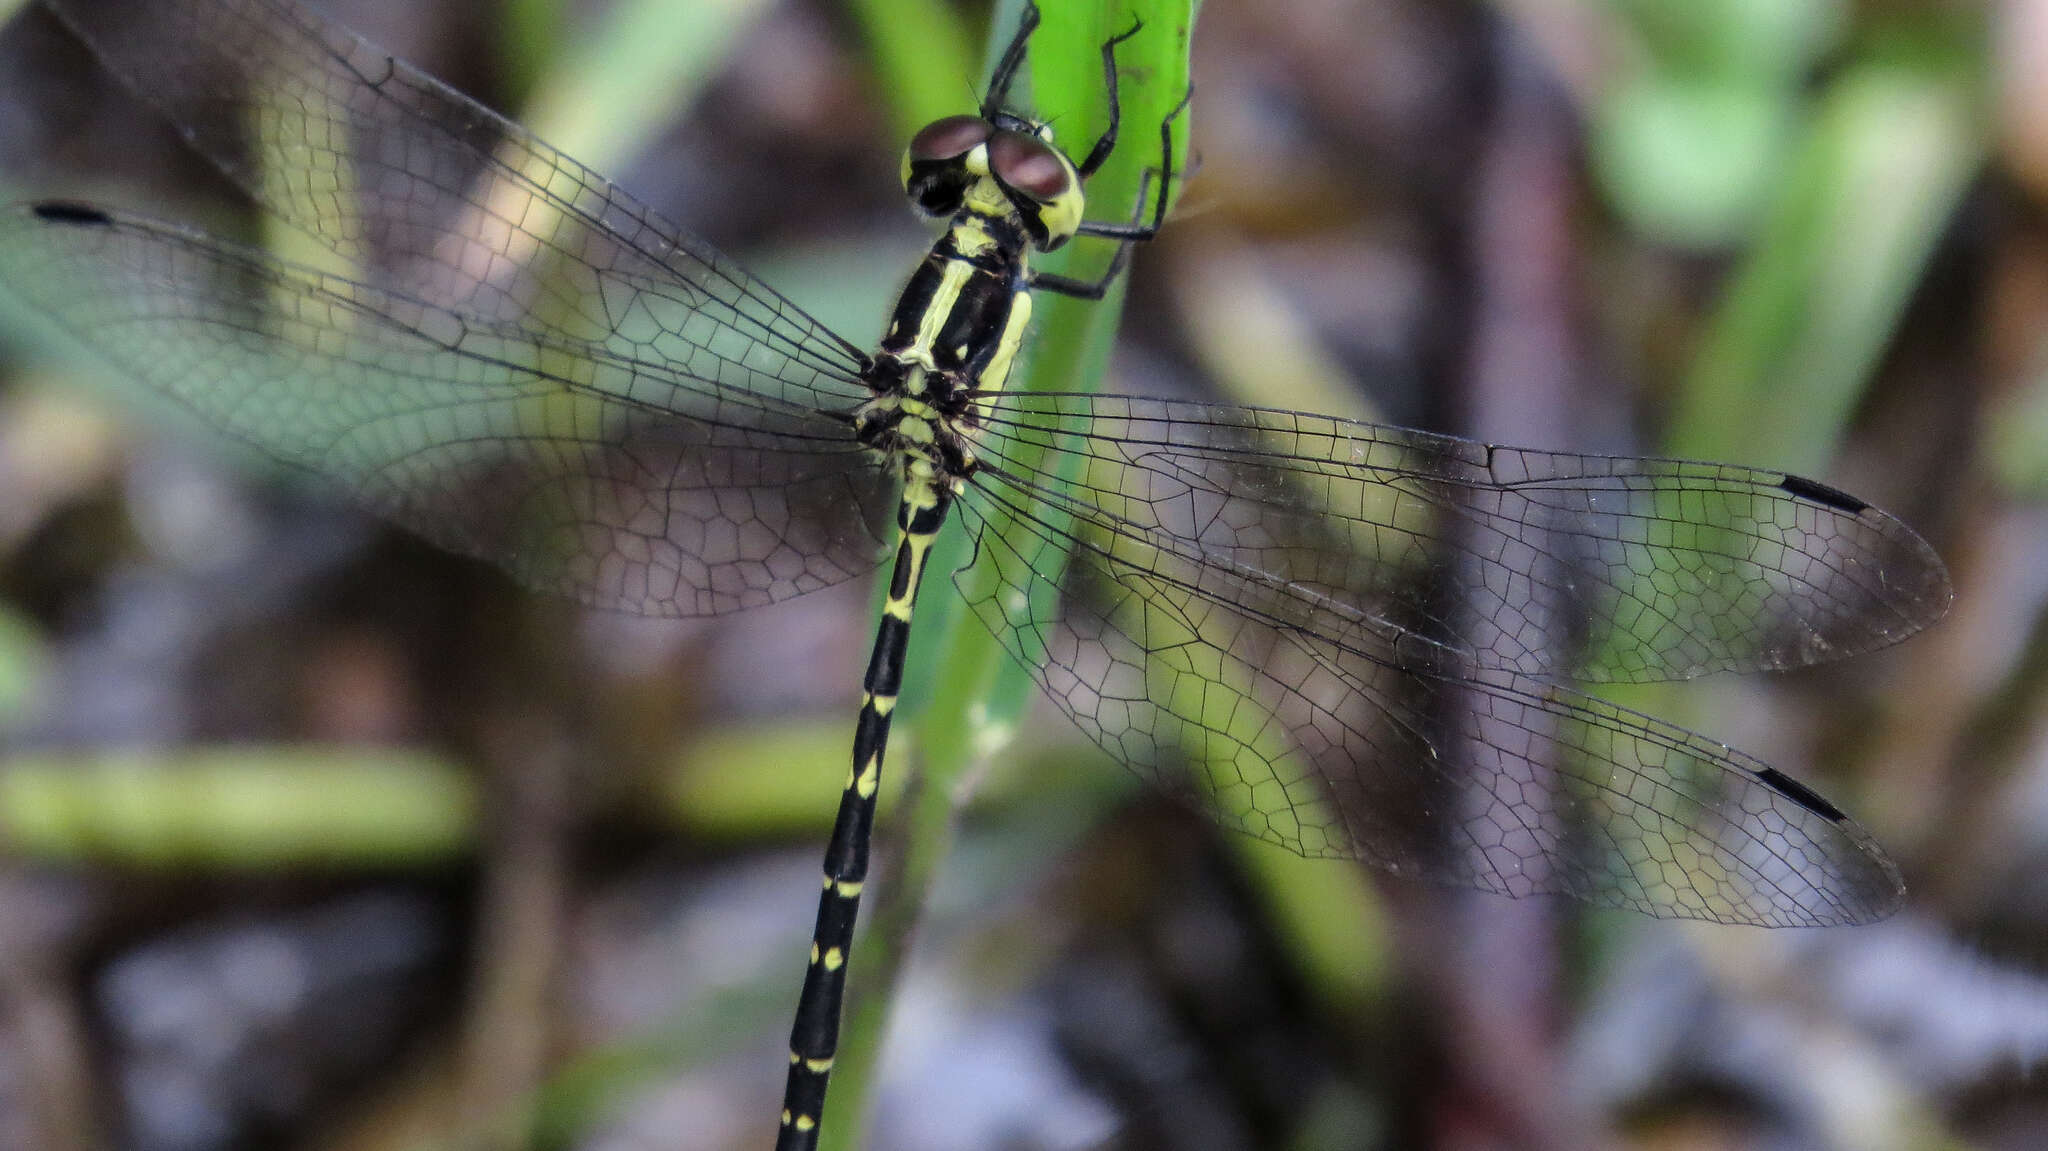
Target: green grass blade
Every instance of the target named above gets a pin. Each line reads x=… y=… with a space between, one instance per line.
x=963 y=696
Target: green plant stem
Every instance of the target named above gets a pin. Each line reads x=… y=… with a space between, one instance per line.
x=970 y=696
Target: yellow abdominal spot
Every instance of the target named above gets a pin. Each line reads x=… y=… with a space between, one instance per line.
x=915 y=430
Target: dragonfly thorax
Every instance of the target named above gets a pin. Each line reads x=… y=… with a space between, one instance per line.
x=952 y=338
x=956 y=329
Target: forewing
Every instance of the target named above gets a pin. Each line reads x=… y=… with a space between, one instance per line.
x=637 y=485
x=1604 y=568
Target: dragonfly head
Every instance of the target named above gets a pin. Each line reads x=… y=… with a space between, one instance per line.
x=1031 y=178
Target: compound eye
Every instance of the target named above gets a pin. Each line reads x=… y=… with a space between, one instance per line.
x=949 y=139
x=1029 y=165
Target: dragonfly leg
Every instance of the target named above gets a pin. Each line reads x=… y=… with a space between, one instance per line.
x=1106 y=143
x=1139 y=229
x=1006 y=68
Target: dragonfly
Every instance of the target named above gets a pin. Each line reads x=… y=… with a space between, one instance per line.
x=1352 y=640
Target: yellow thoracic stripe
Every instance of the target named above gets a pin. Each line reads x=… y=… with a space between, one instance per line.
x=996 y=376
x=942 y=303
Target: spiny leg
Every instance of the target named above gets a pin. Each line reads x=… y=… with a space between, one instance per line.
x=1006 y=68
x=1126 y=235
x=1106 y=143
x=814 y=1037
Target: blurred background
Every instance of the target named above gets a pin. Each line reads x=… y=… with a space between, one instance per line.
x=316 y=837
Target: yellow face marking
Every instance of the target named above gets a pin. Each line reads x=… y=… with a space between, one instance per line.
x=985 y=198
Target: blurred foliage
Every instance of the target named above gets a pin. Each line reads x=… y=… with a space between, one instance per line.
x=618 y=81
x=921 y=60
x=1793 y=166
x=24 y=659
x=239 y=807
x=1888 y=151
x=780 y=791
x=1694 y=127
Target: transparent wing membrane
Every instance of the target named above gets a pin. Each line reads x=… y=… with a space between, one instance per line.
x=1348 y=639
x=398 y=180
x=1665 y=569
x=1307 y=716
x=698 y=498
x=1497 y=780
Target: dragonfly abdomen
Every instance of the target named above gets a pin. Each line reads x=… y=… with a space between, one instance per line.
x=814 y=1037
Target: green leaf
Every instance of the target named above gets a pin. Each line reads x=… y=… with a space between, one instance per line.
x=1690 y=161
x=921 y=56
x=627 y=75
x=1792 y=346
x=964 y=695
x=255 y=807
